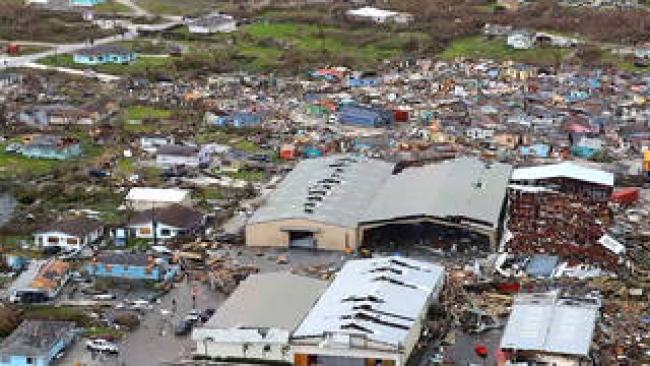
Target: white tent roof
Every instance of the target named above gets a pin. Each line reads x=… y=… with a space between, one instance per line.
x=170 y=195
x=564 y=170
x=370 y=12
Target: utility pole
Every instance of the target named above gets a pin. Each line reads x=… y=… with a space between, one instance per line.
x=154 y=224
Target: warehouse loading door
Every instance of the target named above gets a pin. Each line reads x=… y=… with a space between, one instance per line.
x=339 y=361
x=302 y=239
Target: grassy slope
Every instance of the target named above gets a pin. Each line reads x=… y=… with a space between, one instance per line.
x=111 y=7
x=176 y=7
x=480 y=47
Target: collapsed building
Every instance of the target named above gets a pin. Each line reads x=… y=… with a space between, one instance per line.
x=550 y=329
x=343 y=202
x=562 y=209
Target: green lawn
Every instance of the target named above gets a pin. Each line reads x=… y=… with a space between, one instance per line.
x=269 y=42
x=496 y=49
x=142 y=65
x=140 y=112
x=176 y=7
x=15 y=165
x=622 y=63
x=249 y=176
x=111 y=6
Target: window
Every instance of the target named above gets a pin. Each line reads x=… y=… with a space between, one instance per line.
x=73 y=241
x=52 y=240
x=165 y=232
x=145 y=231
x=30 y=360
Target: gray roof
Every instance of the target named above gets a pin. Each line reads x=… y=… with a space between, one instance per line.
x=105 y=49
x=548 y=323
x=35 y=337
x=464 y=187
x=344 y=204
x=367 y=191
x=270 y=300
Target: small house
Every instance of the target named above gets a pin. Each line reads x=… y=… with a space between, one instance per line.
x=131 y=266
x=379 y=16
x=36 y=342
x=168 y=222
x=521 y=40
x=70 y=234
x=151 y=143
x=86 y=3
x=104 y=54
x=642 y=51
x=181 y=155
x=51 y=147
x=8 y=79
x=234 y=119
x=213 y=23
x=144 y=198
x=52 y=277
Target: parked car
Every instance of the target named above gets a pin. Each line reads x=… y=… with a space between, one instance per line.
x=193 y=316
x=140 y=305
x=183 y=327
x=102 y=345
x=105 y=296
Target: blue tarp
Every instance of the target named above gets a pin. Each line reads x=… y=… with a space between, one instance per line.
x=363 y=82
x=239 y=119
x=312 y=152
x=542 y=265
x=365 y=116
x=537 y=150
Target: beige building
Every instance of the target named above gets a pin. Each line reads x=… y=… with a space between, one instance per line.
x=257 y=319
x=341 y=202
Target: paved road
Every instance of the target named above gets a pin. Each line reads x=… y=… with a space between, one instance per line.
x=132 y=33
x=153 y=341
x=136 y=10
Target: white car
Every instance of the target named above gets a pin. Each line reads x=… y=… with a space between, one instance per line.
x=193 y=316
x=106 y=296
x=141 y=305
x=102 y=345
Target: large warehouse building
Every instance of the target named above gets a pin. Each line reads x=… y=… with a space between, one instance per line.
x=362 y=318
x=344 y=201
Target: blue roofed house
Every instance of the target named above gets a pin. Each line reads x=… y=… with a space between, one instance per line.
x=363 y=116
x=131 y=266
x=234 y=119
x=104 y=54
x=86 y=3
x=36 y=343
x=51 y=147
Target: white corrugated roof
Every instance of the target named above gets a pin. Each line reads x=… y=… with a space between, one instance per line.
x=564 y=170
x=371 y=12
x=378 y=298
x=171 y=195
x=543 y=322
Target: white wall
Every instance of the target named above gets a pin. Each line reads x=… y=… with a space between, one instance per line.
x=161 y=231
x=41 y=239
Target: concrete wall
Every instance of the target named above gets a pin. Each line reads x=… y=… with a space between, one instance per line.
x=273 y=234
x=235 y=350
x=42 y=239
